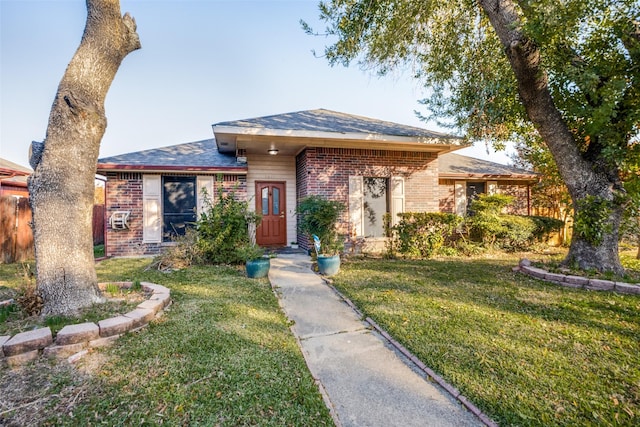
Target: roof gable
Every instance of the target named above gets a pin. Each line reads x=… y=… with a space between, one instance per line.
x=322 y=120
x=292 y=132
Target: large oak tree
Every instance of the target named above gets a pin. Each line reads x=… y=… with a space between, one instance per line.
x=500 y=69
x=62 y=185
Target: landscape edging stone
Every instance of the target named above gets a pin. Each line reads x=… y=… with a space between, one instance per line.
x=72 y=341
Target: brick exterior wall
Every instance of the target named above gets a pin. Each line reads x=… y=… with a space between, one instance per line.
x=513 y=188
x=325 y=172
x=124 y=193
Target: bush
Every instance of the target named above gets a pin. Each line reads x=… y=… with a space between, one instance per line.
x=319 y=216
x=184 y=253
x=223 y=229
x=545 y=226
x=421 y=235
x=488 y=225
x=518 y=232
x=485 y=217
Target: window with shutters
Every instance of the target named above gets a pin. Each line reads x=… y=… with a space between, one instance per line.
x=375 y=205
x=370 y=199
x=178 y=205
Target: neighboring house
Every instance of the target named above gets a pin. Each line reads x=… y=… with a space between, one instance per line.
x=374 y=167
x=461 y=178
x=13 y=179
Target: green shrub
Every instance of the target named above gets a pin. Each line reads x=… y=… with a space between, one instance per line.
x=518 y=232
x=485 y=217
x=421 y=235
x=545 y=226
x=319 y=216
x=488 y=225
x=223 y=229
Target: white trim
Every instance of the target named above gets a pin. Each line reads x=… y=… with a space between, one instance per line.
x=460 y=197
x=397 y=198
x=492 y=187
x=356 y=201
x=206 y=183
x=151 y=209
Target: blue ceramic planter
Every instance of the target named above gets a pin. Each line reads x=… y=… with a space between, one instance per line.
x=258 y=268
x=328 y=265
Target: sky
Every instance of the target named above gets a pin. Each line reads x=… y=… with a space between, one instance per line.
x=201 y=62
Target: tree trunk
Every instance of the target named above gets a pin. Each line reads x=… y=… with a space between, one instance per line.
x=582 y=177
x=62 y=185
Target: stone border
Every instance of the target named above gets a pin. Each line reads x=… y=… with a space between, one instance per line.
x=571 y=281
x=73 y=341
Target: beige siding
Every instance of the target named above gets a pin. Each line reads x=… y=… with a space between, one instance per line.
x=275 y=168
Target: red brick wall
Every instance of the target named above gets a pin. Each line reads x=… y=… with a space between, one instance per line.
x=326 y=171
x=521 y=194
x=124 y=193
x=446 y=188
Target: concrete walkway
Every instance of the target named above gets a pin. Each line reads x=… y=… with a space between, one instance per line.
x=365 y=381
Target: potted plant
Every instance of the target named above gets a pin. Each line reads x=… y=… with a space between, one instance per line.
x=294 y=245
x=256 y=264
x=318 y=218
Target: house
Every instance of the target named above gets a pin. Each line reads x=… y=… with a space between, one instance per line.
x=13 y=179
x=375 y=167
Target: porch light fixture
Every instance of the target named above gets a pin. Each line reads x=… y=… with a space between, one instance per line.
x=273 y=151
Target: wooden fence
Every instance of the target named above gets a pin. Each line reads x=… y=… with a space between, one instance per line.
x=98 y=225
x=16 y=236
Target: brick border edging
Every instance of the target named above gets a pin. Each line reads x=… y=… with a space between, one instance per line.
x=73 y=341
x=454 y=392
x=571 y=281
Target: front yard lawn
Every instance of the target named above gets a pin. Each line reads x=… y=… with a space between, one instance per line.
x=222 y=354
x=525 y=352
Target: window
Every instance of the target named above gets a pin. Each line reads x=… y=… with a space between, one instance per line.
x=178 y=205
x=376 y=205
x=473 y=190
x=370 y=198
x=170 y=204
x=466 y=191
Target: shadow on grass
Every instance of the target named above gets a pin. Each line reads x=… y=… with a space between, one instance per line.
x=526 y=352
x=221 y=354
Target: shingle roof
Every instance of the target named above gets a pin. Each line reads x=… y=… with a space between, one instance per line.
x=322 y=120
x=198 y=155
x=13 y=173
x=456 y=164
x=8 y=165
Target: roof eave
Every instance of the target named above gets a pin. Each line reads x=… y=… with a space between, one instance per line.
x=513 y=177
x=114 y=167
x=259 y=131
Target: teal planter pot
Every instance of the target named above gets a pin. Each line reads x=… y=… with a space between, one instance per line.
x=328 y=265
x=258 y=268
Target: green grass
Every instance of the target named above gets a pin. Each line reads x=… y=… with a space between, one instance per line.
x=526 y=352
x=98 y=251
x=222 y=354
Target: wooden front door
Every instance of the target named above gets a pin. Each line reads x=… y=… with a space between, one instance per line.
x=270 y=203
